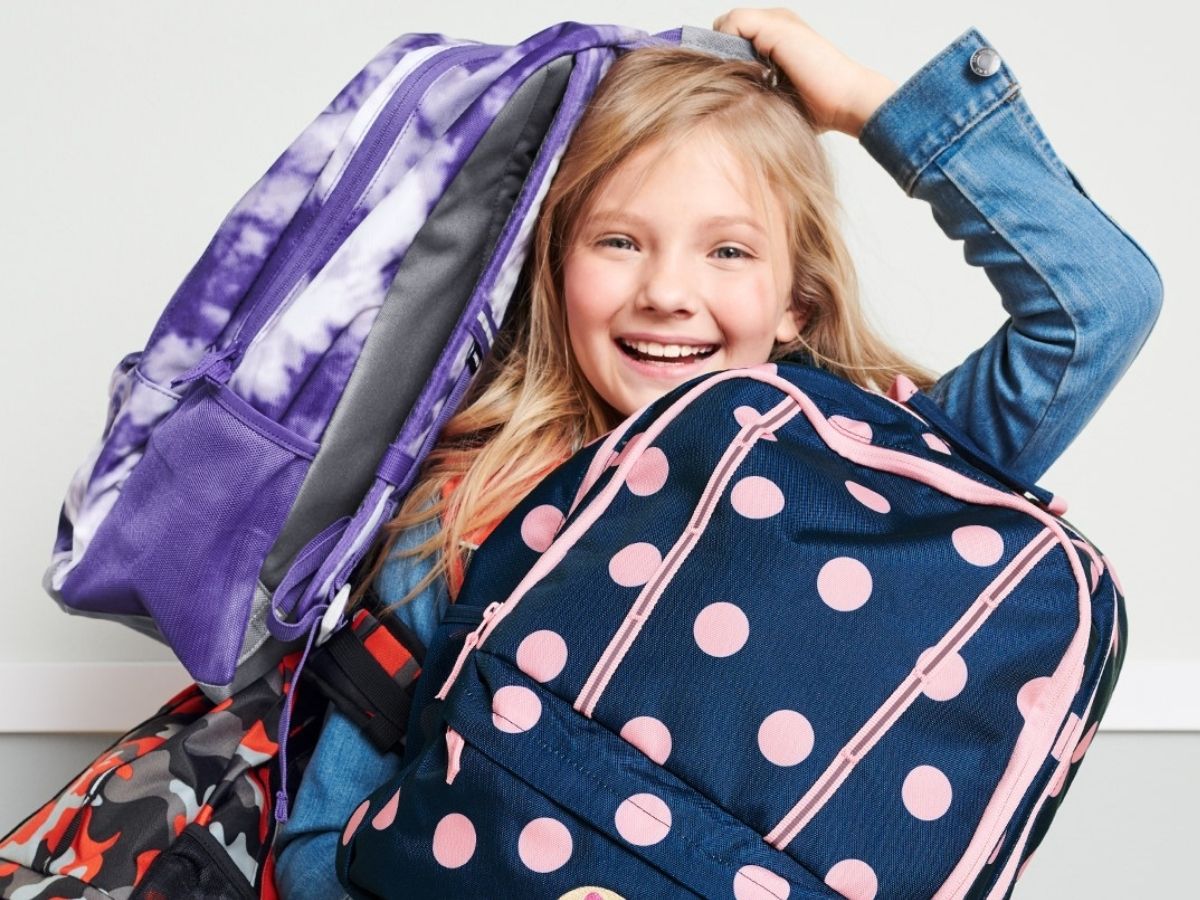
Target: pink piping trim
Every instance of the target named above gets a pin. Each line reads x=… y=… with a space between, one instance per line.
x=567 y=538
x=1032 y=745
x=600 y=462
x=908 y=691
x=648 y=598
x=1093 y=555
x=1009 y=873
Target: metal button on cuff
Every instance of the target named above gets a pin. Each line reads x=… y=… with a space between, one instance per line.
x=985 y=61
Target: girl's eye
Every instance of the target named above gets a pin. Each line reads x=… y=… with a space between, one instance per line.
x=607 y=242
x=739 y=253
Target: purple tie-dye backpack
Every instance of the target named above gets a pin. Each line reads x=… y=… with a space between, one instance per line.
x=307 y=363
x=775 y=637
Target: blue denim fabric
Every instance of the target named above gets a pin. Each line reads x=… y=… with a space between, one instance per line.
x=1081 y=294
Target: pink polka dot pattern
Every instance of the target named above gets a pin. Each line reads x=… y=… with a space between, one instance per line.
x=860 y=431
x=649 y=473
x=1029 y=697
x=844 y=583
x=650 y=736
x=634 y=564
x=785 y=737
x=355 y=820
x=853 y=879
x=386 y=816
x=542 y=655
x=868 y=498
x=545 y=845
x=757 y=883
x=515 y=709
x=643 y=819
x=936 y=443
x=539 y=527
x=979 y=545
x=756 y=497
x=948 y=679
x=721 y=629
x=1082 y=748
x=926 y=793
x=454 y=841
x=746 y=415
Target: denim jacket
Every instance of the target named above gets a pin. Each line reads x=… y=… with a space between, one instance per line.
x=1081 y=295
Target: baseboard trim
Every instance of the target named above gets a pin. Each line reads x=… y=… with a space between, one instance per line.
x=53 y=697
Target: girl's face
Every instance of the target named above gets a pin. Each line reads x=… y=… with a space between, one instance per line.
x=675 y=254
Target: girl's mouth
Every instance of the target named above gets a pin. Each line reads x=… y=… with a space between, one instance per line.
x=665 y=368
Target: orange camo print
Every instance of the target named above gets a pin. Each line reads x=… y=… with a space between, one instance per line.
x=108 y=827
x=143 y=861
x=88 y=856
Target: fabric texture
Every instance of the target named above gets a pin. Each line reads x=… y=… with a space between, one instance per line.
x=1081 y=295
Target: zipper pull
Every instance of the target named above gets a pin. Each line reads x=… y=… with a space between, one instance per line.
x=454 y=749
x=469 y=644
x=218 y=362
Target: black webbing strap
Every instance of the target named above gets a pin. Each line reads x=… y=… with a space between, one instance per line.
x=369 y=669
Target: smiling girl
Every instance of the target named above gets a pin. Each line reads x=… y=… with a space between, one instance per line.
x=692 y=227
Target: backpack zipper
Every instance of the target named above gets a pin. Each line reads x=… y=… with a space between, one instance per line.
x=68 y=837
x=330 y=217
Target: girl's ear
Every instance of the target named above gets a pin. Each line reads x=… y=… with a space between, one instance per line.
x=791 y=323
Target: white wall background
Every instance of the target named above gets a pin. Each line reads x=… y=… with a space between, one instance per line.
x=130 y=128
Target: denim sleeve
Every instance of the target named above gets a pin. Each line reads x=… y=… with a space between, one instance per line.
x=345 y=767
x=1081 y=295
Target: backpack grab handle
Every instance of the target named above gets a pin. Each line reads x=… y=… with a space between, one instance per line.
x=904 y=391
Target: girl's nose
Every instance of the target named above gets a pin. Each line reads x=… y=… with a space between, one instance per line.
x=669 y=284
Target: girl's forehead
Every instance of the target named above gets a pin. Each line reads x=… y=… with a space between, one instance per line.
x=705 y=172
x=703 y=158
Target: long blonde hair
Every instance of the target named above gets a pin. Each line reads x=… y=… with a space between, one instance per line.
x=529 y=407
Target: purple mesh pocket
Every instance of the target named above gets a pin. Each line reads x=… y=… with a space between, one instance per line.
x=186 y=539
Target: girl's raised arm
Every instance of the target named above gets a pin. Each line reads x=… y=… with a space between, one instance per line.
x=1081 y=294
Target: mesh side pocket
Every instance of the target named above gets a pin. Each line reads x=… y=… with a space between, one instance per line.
x=187 y=537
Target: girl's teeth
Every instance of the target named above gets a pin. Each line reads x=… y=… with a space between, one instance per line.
x=666 y=353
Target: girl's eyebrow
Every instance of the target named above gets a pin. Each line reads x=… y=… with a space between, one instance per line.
x=616 y=216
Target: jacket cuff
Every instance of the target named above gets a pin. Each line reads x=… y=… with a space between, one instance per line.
x=939 y=103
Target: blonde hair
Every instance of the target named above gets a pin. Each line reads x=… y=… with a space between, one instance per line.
x=530 y=407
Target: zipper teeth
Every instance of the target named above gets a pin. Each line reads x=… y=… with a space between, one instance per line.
x=332 y=213
x=68 y=837
x=909 y=466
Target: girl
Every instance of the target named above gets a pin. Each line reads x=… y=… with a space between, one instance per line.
x=693 y=219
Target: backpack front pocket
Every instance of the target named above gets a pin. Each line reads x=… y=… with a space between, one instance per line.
x=543 y=801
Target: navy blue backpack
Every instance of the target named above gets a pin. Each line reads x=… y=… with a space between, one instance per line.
x=776 y=636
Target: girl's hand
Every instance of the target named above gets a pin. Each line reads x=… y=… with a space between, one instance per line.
x=838 y=93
